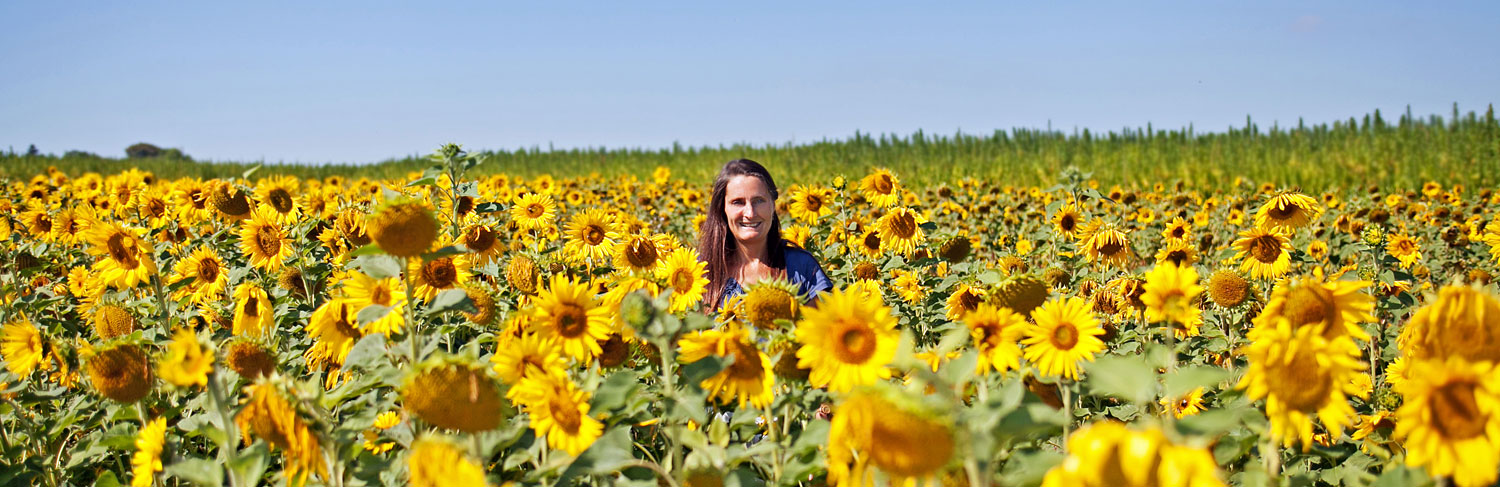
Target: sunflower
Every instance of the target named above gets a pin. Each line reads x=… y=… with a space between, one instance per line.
x=881 y=188
x=1172 y=294
x=567 y=311
x=560 y=412
x=996 y=333
x=253 y=313
x=901 y=230
x=529 y=355
x=437 y=463
x=1186 y=405
x=964 y=301
x=24 y=347
x=521 y=273
x=38 y=221
x=868 y=244
x=534 y=211
x=1334 y=308
x=811 y=203
x=70 y=224
x=403 y=228
x=1180 y=252
x=770 y=300
x=1178 y=229
x=482 y=241
x=1065 y=333
x=1228 y=289
x=249 y=359
x=588 y=237
x=125 y=259
x=1450 y=420
x=264 y=242
x=121 y=372
x=903 y=437
x=1067 y=220
x=847 y=341
x=748 y=377
x=1406 y=249
x=1461 y=321
x=453 y=394
x=435 y=275
x=334 y=327
x=1263 y=253
x=268 y=415
x=1021 y=293
x=1108 y=245
x=363 y=291
x=685 y=276
x=205 y=273
x=1301 y=374
x=186 y=362
x=908 y=285
x=1287 y=211
x=1110 y=454
x=148 y=447
x=639 y=252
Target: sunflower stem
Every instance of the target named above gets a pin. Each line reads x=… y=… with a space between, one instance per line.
x=1067 y=390
x=411 y=321
x=232 y=434
x=1271 y=456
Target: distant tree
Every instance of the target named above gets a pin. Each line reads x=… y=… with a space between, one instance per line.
x=175 y=153
x=78 y=154
x=31 y=151
x=142 y=151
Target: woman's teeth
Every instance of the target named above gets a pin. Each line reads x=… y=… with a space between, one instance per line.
x=749 y=225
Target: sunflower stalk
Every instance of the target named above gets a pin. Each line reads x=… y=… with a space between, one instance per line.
x=231 y=430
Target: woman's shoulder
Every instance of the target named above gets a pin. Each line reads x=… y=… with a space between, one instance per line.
x=797 y=255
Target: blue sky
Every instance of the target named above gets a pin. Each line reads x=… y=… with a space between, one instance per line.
x=366 y=81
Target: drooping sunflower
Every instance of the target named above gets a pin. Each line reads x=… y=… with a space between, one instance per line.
x=685 y=276
x=1302 y=374
x=206 y=275
x=1110 y=454
x=1021 y=293
x=1110 y=246
x=881 y=188
x=1336 y=308
x=249 y=359
x=437 y=463
x=588 y=237
x=568 y=312
x=269 y=415
x=253 y=313
x=847 y=341
x=24 y=348
x=747 y=379
x=403 y=228
x=902 y=437
x=363 y=291
x=121 y=372
x=1065 y=334
x=1461 y=321
x=901 y=231
x=1172 y=294
x=335 y=329
x=996 y=333
x=453 y=394
x=560 y=412
x=1450 y=420
x=534 y=211
x=264 y=242
x=528 y=355
x=187 y=362
x=1263 y=252
x=148 y=447
x=1287 y=211
x=770 y=300
x=125 y=259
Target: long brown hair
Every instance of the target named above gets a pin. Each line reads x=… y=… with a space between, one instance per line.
x=716 y=245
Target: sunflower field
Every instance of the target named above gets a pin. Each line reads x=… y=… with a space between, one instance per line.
x=466 y=327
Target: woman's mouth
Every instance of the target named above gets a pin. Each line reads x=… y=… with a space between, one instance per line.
x=750 y=226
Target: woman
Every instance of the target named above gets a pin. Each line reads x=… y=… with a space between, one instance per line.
x=741 y=240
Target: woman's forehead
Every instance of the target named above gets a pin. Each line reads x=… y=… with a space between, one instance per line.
x=745 y=186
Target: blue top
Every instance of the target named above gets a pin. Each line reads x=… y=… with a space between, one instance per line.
x=802 y=269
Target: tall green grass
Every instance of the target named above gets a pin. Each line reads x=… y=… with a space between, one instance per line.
x=1463 y=148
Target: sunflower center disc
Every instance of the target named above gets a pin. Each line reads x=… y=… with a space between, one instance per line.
x=208 y=270
x=268 y=240
x=1307 y=306
x=571 y=320
x=856 y=343
x=1265 y=249
x=1455 y=412
x=1065 y=336
x=281 y=201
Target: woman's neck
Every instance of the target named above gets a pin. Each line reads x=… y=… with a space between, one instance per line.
x=751 y=251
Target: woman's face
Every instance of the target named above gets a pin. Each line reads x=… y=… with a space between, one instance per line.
x=749 y=207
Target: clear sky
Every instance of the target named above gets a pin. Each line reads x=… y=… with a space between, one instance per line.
x=362 y=81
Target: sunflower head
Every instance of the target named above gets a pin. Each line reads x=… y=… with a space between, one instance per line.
x=229 y=200
x=112 y=321
x=521 y=273
x=249 y=359
x=770 y=300
x=866 y=270
x=454 y=394
x=121 y=372
x=1228 y=289
x=403 y=228
x=877 y=427
x=435 y=462
x=956 y=249
x=1021 y=293
x=484 y=304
